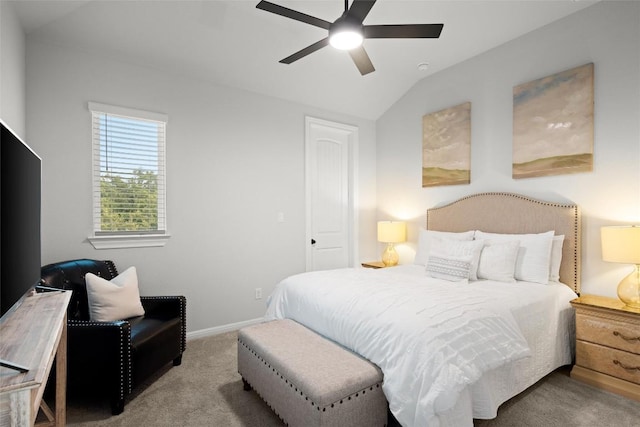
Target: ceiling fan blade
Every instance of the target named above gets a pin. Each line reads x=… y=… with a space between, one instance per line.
x=417 y=31
x=306 y=51
x=360 y=9
x=290 y=13
x=362 y=61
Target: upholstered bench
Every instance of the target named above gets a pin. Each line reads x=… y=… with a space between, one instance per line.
x=308 y=380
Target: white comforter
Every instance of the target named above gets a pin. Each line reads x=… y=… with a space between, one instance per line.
x=431 y=338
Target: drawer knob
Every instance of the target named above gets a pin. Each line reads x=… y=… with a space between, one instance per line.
x=618 y=334
x=623 y=366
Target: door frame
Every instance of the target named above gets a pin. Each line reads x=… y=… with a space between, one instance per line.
x=352 y=174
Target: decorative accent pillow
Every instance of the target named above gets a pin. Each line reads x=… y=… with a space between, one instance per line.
x=424 y=242
x=451 y=248
x=117 y=299
x=498 y=261
x=449 y=268
x=534 y=254
x=556 y=258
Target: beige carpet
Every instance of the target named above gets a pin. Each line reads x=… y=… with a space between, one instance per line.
x=206 y=390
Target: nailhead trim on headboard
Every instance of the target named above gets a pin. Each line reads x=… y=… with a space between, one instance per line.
x=575 y=224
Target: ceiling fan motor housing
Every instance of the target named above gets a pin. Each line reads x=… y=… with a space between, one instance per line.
x=346 y=33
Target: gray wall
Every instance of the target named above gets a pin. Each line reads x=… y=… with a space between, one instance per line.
x=12 y=70
x=607 y=34
x=234 y=160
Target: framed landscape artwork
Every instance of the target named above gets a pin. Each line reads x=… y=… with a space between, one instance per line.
x=553 y=124
x=446 y=146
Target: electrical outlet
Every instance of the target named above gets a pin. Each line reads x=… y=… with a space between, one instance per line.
x=258 y=293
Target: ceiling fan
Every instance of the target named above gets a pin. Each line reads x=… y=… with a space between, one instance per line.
x=347 y=32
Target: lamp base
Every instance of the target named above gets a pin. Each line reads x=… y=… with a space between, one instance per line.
x=390 y=256
x=629 y=289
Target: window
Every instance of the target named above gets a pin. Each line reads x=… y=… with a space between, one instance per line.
x=128 y=177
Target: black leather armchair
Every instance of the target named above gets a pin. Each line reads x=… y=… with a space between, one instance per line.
x=113 y=357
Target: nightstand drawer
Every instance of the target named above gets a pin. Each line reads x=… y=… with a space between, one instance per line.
x=617 y=363
x=608 y=332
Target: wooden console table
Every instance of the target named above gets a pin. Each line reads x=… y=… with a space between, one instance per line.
x=32 y=336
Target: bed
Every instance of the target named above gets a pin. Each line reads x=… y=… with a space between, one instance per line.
x=453 y=348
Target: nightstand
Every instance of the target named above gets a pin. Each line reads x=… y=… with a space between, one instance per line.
x=607 y=345
x=373 y=264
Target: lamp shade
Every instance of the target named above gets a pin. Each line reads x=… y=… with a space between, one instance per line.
x=621 y=244
x=392 y=231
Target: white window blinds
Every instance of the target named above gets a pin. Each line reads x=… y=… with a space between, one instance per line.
x=128 y=171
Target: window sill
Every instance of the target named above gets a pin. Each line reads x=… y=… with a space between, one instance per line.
x=133 y=241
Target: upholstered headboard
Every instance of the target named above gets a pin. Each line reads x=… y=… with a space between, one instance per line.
x=514 y=213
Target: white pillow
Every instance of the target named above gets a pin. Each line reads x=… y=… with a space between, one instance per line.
x=498 y=260
x=534 y=254
x=452 y=269
x=117 y=299
x=556 y=258
x=424 y=242
x=458 y=249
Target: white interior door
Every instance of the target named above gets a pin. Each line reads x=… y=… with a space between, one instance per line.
x=329 y=187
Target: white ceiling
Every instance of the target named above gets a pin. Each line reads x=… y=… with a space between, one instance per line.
x=234 y=44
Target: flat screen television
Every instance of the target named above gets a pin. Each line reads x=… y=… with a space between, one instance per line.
x=20 y=186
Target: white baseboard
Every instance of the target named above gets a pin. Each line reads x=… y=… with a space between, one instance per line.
x=222 y=329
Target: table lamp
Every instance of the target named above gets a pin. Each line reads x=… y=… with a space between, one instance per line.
x=622 y=244
x=391 y=232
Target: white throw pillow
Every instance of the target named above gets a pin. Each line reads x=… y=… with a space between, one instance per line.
x=458 y=249
x=117 y=299
x=424 y=242
x=534 y=254
x=498 y=260
x=556 y=258
x=453 y=269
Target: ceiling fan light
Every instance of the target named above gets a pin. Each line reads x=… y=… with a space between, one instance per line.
x=346 y=33
x=346 y=39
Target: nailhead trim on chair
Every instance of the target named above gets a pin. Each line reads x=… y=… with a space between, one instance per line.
x=128 y=346
x=282 y=378
x=183 y=315
x=110 y=271
x=129 y=371
x=182 y=302
x=112 y=268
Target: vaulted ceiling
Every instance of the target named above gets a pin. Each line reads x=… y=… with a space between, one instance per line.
x=234 y=44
